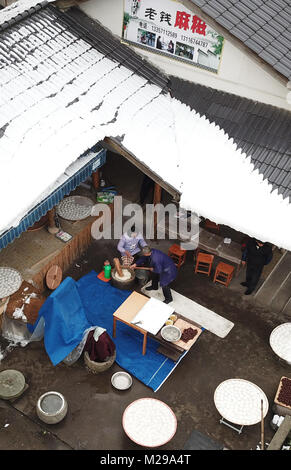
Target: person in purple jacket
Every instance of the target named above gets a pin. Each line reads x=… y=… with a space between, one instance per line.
x=163 y=270
x=131 y=243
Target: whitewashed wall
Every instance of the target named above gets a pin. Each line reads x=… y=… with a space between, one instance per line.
x=239 y=73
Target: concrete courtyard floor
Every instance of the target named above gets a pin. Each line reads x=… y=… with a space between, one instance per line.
x=95 y=409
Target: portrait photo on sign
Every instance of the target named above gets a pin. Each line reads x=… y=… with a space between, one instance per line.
x=146 y=38
x=184 y=51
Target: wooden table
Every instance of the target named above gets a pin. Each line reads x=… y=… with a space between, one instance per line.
x=174 y=350
x=215 y=245
x=126 y=313
x=129 y=309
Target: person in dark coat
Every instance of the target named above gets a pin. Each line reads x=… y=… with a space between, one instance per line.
x=163 y=270
x=255 y=255
x=159 y=43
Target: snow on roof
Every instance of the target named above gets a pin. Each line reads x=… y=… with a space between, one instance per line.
x=261 y=130
x=16 y=9
x=60 y=96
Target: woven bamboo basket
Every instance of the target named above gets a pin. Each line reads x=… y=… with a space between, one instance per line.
x=97 y=367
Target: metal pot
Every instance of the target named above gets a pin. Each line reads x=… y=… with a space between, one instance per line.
x=51 y=407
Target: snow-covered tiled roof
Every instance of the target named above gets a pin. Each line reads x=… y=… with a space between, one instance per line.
x=261 y=130
x=19 y=10
x=60 y=95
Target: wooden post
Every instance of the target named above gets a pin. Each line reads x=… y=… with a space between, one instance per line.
x=262 y=426
x=118 y=267
x=96 y=179
x=157 y=200
x=52 y=228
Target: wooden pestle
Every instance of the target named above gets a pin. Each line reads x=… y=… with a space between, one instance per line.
x=118 y=267
x=143 y=267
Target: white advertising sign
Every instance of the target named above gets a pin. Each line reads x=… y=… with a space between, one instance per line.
x=167 y=27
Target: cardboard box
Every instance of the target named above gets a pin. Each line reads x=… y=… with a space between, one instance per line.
x=282 y=408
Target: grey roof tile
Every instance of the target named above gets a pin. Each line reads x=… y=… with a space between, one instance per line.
x=227 y=4
x=280 y=176
x=259 y=3
x=274 y=5
x=254 y=25
x=224 y=22
x=260 y=154
x=243 y=8
x=200 y=3
x=273 y=23
x=248 y=5
x=259 y=40
x=283 y=18
x=262 y=25
x=282 y=69
x=254 y=46
x=241 y=14
x=287 y=35
x=263 y=169
x=263 y=15
x=265 y=35
x=229 y=16
x=209 y=10
x=288 y=10
x=271 y=173
x=276 y=158
x=286 y=61
x=286 y=181
x=281 y=190
x=274 y=52
x=271 y=29
x=239 y=34
x=269 y=11
x=282 y=48
x=217 y=6
x=280 y=3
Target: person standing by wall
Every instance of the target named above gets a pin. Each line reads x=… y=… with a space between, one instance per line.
x=255 y=256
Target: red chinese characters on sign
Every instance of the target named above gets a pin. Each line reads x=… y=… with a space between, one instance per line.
x=183 y=22
x=198 y=26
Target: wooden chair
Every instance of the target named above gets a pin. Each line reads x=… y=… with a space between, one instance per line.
x=177 y=254
x=223 y=273
x=204 y=263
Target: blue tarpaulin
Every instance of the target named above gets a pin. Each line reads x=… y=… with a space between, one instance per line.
x=65 y=321
x=75 y=306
